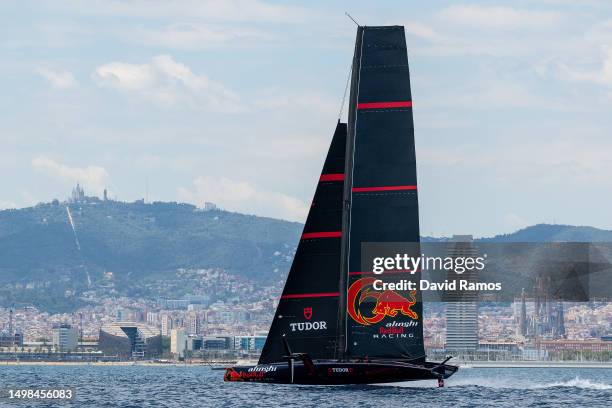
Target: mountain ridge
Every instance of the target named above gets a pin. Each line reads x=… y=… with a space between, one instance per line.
x=46 y=262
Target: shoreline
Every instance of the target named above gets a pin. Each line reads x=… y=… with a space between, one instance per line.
x=103 y=363
x=461 y=364
x=533 y=364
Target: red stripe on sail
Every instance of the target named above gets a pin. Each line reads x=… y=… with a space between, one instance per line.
x=383 y=188
x=380 y=105
x=311 y=295
x=332 y=177
x=327 y=234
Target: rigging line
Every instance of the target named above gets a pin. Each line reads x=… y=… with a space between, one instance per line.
x=351 y=17
x=348 y=80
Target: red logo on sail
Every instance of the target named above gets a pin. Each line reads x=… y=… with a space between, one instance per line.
x=388 y=302
x=307 y=313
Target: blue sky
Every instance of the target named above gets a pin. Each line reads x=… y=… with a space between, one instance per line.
x=235 y=101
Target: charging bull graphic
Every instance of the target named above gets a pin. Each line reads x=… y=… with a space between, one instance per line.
x=388 y=302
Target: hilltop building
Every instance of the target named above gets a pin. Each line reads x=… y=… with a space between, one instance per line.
x=78 y=194
x=208 y=206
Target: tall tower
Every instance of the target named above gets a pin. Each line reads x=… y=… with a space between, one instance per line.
x=81 y=328
x=462 y=306
x=522 y=323
x=559 y=329
x=10 y=324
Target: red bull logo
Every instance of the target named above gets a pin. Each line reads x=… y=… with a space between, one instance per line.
x=387 y=302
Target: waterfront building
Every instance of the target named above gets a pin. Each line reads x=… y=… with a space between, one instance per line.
x=462 y=307
x=194 y=343
x=178 y=342
x=249 y=343
x=217 y=342
x=11 y=339
x=576 y=345
x=65 y=337
x=130 y=340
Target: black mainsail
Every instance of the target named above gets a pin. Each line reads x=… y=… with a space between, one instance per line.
x=332 y=326
x=381 y=191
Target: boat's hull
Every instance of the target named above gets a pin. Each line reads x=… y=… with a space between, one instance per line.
x=338 y=373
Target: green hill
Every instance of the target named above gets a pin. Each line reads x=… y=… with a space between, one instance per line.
x=135 y=241
x=47 y=263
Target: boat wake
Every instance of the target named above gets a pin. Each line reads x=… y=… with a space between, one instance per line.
x=510 y=383
x=580 y=383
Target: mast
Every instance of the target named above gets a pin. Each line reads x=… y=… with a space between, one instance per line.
x=346 y=199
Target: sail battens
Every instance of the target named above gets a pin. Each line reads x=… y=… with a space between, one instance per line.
x=332 y=177
x=383 y=188
x=310 y=295
x=382 y=105
x=324 y=234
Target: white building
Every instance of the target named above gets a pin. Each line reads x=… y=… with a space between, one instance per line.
x=65 y=337
x=166 y=325
x=178 y=342
x=462 y=307
x=193 y=324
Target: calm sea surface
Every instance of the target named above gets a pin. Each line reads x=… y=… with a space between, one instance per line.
x=180 y=386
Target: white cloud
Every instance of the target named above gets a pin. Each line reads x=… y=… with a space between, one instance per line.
x=513 y=222
x=7 y=204
x=168 y=83
x=499 y=17
x=499 y=31
x=490 y=94
x=242 y=196
x=189 y=36
x=299 y=100
x=92 y=178
x=58 y=78
x=602 y=76
x=421 y=30
x=210 y=10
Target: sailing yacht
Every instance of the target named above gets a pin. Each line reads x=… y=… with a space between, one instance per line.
x=331 y=326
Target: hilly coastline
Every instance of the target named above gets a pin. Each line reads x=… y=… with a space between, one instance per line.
x=54 y=252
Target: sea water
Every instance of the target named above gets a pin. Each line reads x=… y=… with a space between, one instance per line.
x=199 y=386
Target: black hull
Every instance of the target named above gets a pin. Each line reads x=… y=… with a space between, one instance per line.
x=339 y=373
